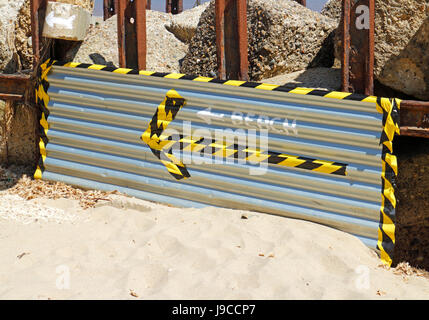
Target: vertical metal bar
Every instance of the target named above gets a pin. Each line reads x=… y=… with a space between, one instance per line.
x=34 y=7
x=369 y=83
x=132 y=33
x=109 y=9
x=179 y=6
x=231 y=39
x=345 y=61
x=120 y=14
x=140 y=29
x=148 y=5
x=174 y=6
x=37 y=12
x=106 y=10
x=220 y=38
x=302 y=2
x=243 y=72
x=361 y=52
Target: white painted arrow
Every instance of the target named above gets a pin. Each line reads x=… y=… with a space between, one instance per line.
x=66 y=23
x=207 y=115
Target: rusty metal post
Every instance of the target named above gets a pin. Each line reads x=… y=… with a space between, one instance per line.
x=174 y=6
x=369 y=79
x=345 y=59
x=302 y=2
x=109 y=8
x=231 y=39
x=132 y=47
x=148 y=4
x=358 y=46
x=37 y=12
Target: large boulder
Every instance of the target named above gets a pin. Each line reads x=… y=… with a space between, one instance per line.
x=332 y=9
x=86 y=4
x=401 y=43
x=283 y=37
x=8 y=57
x=408 y=72
x=184 y=25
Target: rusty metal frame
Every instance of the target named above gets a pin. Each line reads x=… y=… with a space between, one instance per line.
x=357 y=61
x=231 y=39
x=132 y=45
x=302 y=2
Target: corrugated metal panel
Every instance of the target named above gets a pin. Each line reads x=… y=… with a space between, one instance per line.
x=96 y=119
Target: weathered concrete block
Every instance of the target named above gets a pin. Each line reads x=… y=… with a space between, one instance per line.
x=66 y=21
x=401 y=43
x=283 y=37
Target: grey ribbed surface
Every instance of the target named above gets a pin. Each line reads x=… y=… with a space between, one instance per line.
x=96 y=120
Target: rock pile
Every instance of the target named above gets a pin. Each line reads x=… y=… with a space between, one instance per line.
x=8 y=55
x=401 y=43
x=332 y=9
x=23 y=39
x=164 y=50
x=184 y=25
x=283 y=37
x=86 y=4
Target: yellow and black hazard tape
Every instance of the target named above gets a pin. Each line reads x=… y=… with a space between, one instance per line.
x=388 y=107
x=231 y=150
x=386 y=232
x=42 y=100
x=164 y=114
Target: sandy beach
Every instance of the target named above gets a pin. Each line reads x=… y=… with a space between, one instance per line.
x=125 y=248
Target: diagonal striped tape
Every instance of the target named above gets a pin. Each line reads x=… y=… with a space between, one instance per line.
x=165 y=113
x=222 y=149
x=386 y=232
x=42 y=100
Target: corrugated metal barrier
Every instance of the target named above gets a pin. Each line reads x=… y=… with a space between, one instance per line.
x=194 y=141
